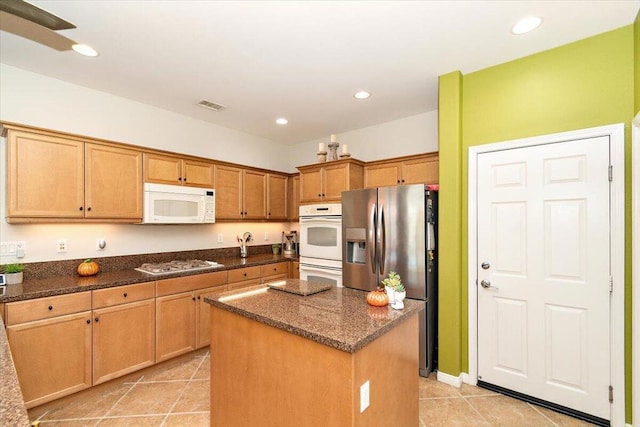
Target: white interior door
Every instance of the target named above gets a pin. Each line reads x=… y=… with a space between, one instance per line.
x=544 y=272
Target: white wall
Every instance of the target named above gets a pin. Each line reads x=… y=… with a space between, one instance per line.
x=40 y=101
x=410 y=135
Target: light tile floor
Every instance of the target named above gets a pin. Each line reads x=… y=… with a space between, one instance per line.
x=176 y=393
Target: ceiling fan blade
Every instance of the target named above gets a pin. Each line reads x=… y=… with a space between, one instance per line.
x=32 y=31
x=35 y=14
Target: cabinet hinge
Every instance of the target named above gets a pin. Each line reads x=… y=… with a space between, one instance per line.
x=610 y=394
x=610 y=284
x=610 y=173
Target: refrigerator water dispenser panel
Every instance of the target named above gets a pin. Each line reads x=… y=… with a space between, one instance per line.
x=356 y=246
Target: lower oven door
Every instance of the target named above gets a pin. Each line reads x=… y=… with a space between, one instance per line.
x=321 y=271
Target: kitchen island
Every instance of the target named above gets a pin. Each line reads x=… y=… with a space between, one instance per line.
x=283 y=359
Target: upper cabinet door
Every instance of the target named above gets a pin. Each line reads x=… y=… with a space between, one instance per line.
x=420 y=171
x=228 y=181
x=254 y=194
x=197 y=174
x=311 y=186
x=335 y=181
x=113 y=178
x=382 y=175
x=162 y=169
x=277 y=206
x=45 y=176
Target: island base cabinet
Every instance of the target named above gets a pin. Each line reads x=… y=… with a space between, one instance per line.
x=291 y=381
x=123 y=339
x=52 y=357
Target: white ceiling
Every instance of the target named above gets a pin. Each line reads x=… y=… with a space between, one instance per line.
x=299 y=59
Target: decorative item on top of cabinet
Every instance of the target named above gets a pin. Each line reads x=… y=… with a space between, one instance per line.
x=166 y=169
x=418 y=169
x=326 y=182
x=56 y=177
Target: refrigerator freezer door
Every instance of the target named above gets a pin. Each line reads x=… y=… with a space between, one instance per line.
x=403 y=234
x=359 y=219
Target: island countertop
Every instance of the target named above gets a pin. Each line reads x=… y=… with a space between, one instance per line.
x=337 y=317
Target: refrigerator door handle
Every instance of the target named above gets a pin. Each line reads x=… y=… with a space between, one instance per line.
x=371 y=238
x=381 y=241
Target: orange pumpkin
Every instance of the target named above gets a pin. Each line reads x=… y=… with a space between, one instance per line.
x=378 y=298
x=88 y=268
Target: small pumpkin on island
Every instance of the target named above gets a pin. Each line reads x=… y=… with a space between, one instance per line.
x=378 y=298
x=88 y=268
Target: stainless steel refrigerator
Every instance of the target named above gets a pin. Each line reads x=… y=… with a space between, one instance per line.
x=394 y=229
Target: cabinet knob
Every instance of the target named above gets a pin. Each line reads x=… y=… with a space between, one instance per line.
x=198 y=296
x=185 y=179
x=50 y=307
x=96 y=320
x=124 y=295
x=245 y=274
x=398 y=181
x=81 y=208
x=88 y=321
x=319 y=195
x=179 y=179
x=89 y=208
x=193 y=298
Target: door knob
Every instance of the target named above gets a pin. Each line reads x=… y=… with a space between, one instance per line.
x=485 y=265
x=485 y=284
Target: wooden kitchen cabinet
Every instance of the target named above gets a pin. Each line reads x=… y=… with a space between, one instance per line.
x=277 y=271
x=173 y=170
x=123 y=330
x=325 y=182
x=277 y=197
x=176 y=306
x=249 y=194
x=294 y=272
x=243 y=277
x=54 y=177
x=50 y=341
x=203 y=310
x=294 y=197
x=421 y=169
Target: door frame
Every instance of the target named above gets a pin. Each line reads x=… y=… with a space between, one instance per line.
x=635 y=185
x=617 y=205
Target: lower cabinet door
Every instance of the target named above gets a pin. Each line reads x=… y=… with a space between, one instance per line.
x=203 y=325
x=175 y=325
x=123 y=339
x=52 y=357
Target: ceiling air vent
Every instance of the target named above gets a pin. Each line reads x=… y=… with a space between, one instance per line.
x=211 y=105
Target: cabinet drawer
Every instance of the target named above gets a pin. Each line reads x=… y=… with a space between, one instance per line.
x=275 y=277
x=190 y=283
x=123 y=294
x=242 y=274
x=244 y=284
x=46 y=308
x=271 y=269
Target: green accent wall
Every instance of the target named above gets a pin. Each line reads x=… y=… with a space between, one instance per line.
x=636 y=59
x=580 y=85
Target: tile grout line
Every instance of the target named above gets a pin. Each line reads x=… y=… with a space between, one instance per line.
x=195 y=371
x=106 y=414
x=475 y=410
x=543 y=415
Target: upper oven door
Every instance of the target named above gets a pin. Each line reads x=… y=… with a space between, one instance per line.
x=321 y=237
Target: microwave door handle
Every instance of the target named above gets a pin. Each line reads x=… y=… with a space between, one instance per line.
x=371 y=238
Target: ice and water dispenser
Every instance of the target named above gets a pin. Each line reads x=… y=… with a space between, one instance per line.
x=356 y=245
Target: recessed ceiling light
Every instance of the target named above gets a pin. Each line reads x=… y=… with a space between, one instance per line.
x=85 y=50
x=527 y=24
x=363 y=94
x=282 y=121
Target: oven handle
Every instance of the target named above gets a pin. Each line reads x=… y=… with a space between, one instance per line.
x=308 y=267
x=329 y=219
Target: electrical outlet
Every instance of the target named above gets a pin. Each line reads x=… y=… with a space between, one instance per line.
x=220 y=238
x=266 y=236
x=100 y=244
x=62 y=246
x=364 y=396
x=20 y=248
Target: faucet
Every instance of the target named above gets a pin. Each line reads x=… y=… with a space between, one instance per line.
x=246 y=237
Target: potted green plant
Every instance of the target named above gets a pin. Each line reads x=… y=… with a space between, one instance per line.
x=13 y=273
x=390 y=283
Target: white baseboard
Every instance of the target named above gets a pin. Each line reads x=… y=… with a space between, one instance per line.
x=450 y=379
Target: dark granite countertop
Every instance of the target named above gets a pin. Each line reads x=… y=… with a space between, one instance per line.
x=71 y=283
x=338 y=317
x=12 y=410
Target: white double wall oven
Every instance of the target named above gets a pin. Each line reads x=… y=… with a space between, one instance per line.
x=321 y=243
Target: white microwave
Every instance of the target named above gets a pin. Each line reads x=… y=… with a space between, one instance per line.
x=176 y=204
